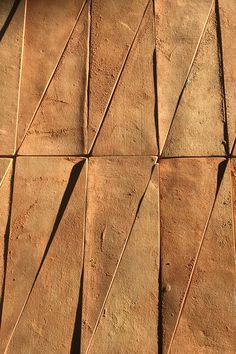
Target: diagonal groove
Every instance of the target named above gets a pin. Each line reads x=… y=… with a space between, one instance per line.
x=187 y=76
x=9 y=18
x=119 y=260
x=74 y=176
x=117 y=82
x=221 y=170
x=51 y=76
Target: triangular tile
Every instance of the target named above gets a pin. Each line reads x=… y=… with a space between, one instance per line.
x=115 y=187
x=179 y=26
x=5 y=191
x=59 y=127
x=207 y=323
x=129 y=127
x=129 y=322
x=10 y=54
x=187 y=192
x=41 y=189
x=56 y=291
x=198 y=127
x=113 y=27
x=47 y=29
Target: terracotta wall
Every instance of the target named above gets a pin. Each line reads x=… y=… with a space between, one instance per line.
x=117 y=176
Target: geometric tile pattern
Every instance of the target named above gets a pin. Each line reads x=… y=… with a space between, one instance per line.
x=117 y=176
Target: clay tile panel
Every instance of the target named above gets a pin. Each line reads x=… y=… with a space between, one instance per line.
x=129 y=317
x=42 y=190
x=199 y=125
x=179 y=25
x=113 y=28
x=207 y=322
x=130 y=124
x=47 y=30
x=59 y=126
x=55 y=297
x=115 y=187
x=10 y=54
x=187 y=192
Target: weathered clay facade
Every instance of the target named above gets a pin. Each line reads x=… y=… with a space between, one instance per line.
x=117 y=176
